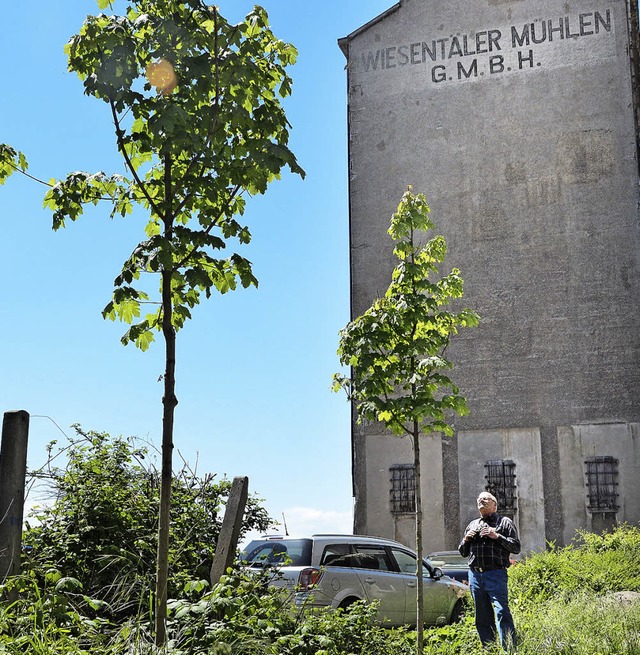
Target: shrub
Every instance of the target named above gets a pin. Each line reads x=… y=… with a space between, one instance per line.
x=561 y=599
x=244 y=615
x=101 y=527
x=597 y=563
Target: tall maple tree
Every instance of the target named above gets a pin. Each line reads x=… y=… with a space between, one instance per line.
x=196 y=105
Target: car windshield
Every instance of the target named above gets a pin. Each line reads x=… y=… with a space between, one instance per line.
x=267 y=552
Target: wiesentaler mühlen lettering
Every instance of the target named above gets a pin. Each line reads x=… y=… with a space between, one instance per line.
x=490 y=41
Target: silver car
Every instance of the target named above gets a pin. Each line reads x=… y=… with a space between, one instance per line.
x=338 y=570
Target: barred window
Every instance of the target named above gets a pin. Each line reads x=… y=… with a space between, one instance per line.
x=601 y=474
x=500 y=475
x=403 y=489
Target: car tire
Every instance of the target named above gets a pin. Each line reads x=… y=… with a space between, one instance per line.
x=347 y=603
x=457 y=612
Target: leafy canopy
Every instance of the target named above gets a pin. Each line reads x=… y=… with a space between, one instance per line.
x=196 y=106
x=396 y=349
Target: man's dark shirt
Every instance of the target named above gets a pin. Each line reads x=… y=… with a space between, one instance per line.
x=488 y=553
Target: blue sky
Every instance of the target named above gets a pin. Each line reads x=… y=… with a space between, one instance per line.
x=254 y=367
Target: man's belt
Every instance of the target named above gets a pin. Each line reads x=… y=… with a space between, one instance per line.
x=484 y=569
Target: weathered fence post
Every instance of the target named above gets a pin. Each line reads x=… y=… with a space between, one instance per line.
x=13 y=473
x=230 y=530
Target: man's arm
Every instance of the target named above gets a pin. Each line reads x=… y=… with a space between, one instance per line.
x=465 y=545
x=508 y=536
x=464 y=548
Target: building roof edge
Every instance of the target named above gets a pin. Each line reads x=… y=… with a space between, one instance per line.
x=343 y=42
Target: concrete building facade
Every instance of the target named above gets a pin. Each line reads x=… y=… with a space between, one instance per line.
x=518 y=119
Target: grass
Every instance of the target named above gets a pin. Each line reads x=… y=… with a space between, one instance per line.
x=586 y=625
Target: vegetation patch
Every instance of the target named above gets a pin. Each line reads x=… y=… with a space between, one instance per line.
x=87 y=581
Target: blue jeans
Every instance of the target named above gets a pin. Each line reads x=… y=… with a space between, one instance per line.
x=490 y=596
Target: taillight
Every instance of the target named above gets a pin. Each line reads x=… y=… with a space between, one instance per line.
x=309 y=577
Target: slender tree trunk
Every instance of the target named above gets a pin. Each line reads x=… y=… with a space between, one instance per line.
x=418 y=483
x=419 y=547
x=169 y=402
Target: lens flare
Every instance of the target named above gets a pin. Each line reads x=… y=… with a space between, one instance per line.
x=161 y=75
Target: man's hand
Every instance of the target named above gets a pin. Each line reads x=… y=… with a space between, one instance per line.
x=488 y=532
x=470 y=535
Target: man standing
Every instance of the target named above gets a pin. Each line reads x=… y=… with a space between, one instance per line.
x=488 y=542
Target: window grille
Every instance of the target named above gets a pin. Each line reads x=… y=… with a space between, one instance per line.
x=403 y=489
x=500 y=475
x=602 y=475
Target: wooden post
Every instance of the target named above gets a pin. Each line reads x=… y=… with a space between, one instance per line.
x=230 y=530
x=13 y=474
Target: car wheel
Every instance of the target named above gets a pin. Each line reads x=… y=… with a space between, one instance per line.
x=458 y=612
x=347 y=603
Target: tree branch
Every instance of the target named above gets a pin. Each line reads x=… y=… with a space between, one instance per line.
x=211 y=225
x=128 y=162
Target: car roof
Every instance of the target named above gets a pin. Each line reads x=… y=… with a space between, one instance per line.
x=352 y=538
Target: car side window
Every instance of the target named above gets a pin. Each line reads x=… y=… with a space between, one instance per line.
x=375 y=557
x=332 y=553
x=407 y=563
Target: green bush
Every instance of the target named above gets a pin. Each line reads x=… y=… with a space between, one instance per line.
x=562 y=598
x=244 y=615
x=87 y=581
x=240 y=616
x=597 y=564
x=101 y=528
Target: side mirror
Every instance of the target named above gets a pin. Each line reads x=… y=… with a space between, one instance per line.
x=437 y=573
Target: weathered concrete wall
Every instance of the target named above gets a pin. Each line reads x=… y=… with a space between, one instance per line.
x=531 y=175
x=576 y=444
x=383 y=451
x=516 y=118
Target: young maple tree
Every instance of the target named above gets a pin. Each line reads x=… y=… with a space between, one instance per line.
x=196 y=107
x=396 y=349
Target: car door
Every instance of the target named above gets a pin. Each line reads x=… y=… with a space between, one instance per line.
x=437 y=595
x=382 y=583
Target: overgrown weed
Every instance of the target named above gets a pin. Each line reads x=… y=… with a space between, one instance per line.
x=563 y=602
